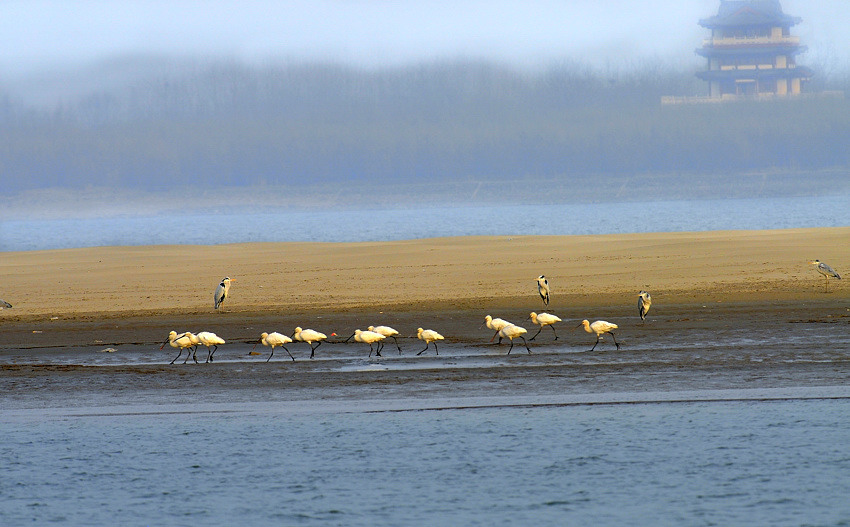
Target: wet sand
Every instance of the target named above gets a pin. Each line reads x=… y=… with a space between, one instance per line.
x=731 y=310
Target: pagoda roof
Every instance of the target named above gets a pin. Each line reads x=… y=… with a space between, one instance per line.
x=751 y=51
x=733 y=13
x=775 y=73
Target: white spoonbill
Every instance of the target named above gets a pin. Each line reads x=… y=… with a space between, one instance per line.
x=222 y=290
x=496 y=324
x=5 y=305
x=429 y=336
x=309 y=336
x=369 y=337
x=211 y=341
x=512 y=331
x=644 y=302
x=600 y=327
x=273 y=340
x=543 y=289
x=543 y=320
x=387 y=332
x=826 y=271
x=181 y=341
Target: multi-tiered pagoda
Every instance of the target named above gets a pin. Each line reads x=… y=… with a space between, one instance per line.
x=751 y=52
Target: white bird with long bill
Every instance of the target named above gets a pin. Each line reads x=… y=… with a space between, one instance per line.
x=273 y=340
x=600 y=327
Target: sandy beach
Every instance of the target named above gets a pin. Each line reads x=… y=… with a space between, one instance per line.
x=431 y=274
x=731 y=310
x=156 y=288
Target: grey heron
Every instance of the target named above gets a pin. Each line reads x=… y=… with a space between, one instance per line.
x=826 y=271
x=543 y=289
x=221 y=291
x=644 y=302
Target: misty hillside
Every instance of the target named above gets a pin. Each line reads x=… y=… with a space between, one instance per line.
x=228 y=124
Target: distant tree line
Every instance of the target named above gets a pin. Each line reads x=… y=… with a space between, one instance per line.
x=228 y=124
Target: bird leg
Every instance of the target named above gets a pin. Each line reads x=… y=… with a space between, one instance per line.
x=177 y=357
x=526 y=344
x=270 y=355
x=595 y=343
x=313 y=350
x=396 y=345
x=287 y=351
x=512 y=346
x=553 y=331
x=426 y=348
x=538 y=332
x=615 y=340
x=436 y=349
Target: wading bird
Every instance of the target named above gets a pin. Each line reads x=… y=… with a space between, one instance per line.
x=273 y=340
x=600 y=327
x=644 y=302
x=543 y=289
x=181 y=341
x=496 y=324
x=211 y=341
x=826 y=271
x=309 y=336
x=429 y=336
x=369 y=337
x=542 y=320
x=512 y=331
x=5 y=305
x=387 y=332
x=221 y=291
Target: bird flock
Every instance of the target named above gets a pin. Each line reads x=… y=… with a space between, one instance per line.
x=375 y=336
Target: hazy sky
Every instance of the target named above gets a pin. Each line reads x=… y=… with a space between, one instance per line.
x=59 y=34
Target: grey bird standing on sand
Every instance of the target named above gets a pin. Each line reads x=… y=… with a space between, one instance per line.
x=543 y=289
x=4 y=304
x=222 y=290
x=826 y=271
x=644 y=301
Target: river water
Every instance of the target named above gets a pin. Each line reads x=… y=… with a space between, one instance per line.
x=732 y=462
x=201 y=227
x=516 y=448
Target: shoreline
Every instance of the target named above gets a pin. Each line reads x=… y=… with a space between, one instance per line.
x=135 y=294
